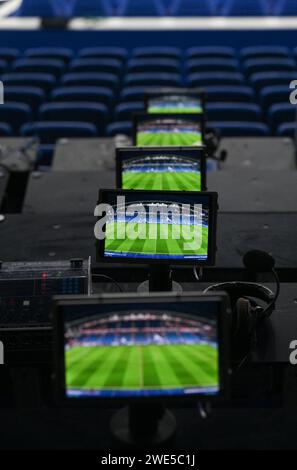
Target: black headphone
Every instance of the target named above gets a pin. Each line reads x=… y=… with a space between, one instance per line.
x=244 y=297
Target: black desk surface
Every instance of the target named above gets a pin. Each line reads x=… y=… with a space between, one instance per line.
x=26 y=237
x=258 y=153
x=239 y=190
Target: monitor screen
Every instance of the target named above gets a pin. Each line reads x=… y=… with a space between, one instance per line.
x=141 y=346
x=172 y=100
x=173 y=169
x=165 y=130
x=155 y=226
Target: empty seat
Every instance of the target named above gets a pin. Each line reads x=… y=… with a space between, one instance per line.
x=15 y=114
x=233 y=112
x=61 y=53
x=208 y=52
x=212 y=65
x=118 y=53
x=89 y=94
x=5 y=130
x=3 y=66
x=52 y=66
x=264 y=79
x=124 y=111
x=215 y=78
x=89 y=8
x=93 y=113
x=274 y=94
x=9 y=54
x=139 y=8
x=193 y=7
x=281 y=113
x=287 y=129
x=245 y=8
x=24 y=94
x=40 y=80
x=240 y=129
x=50 y=132
x=134 y=93
x=106 y=80
x=122 y=127
x=153 y=65
x=96 y=65
x=264 y=51
x=152 y=79
x=157 y=52
x=229 y=93
x=269 y=65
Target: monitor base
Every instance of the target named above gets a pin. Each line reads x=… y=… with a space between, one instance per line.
x=144 y=287
x=143 y=426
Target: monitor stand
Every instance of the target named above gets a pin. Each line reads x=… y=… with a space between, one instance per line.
x=160 y=280
x=143 y=425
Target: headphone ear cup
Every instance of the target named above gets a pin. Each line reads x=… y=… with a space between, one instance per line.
x=243 y=325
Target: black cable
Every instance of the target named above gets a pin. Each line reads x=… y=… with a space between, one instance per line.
x=104 y=276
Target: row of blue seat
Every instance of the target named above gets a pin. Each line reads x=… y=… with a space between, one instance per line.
x=136 y=8
x=122 y=54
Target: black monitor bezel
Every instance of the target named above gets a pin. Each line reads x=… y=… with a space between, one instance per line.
x=59 y=357
x=193 y=116
x=212 y=247
x=202 y=157
x=195 y=92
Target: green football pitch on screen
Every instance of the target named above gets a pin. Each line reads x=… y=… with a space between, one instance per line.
x=162 y=180
x=138 y=367
x=167 y=139
x=116 y=240
x=174 y=110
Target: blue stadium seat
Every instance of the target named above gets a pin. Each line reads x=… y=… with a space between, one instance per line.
x=24 y=94
x=269 y=65
x=44 y=81
x=265 y=79
x=281 y=113
x=89 y=8
x=45 y=156
x=106 y=80
x=233 y=112
x=215 y=78
x=286 y=8
x=210 y=52
x=212 y=65
x=59 y=53
x=274 y=94
x=245 y=8
x=240 y=129
x=96 y=65
x=256 y=52
x=49 y=132
x=121 y=127
x=15 y=114
x=52 y=66
x=3 y=66
x=153 y=65
x=9 y=54
x=124 y=111
x=239 y=93
x=118 y=53
x=89 y=94
x=140 y=8
x=134 y=93
x=93 y=113
x=152 y=79
x=154 y=52
x=193 y=8
x=287 y=129
x=5 y=130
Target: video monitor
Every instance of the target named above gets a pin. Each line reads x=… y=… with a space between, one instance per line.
x=176 y=227
x=175 y=101
x=141 y=346
x=161 y=168
x=165 y=130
